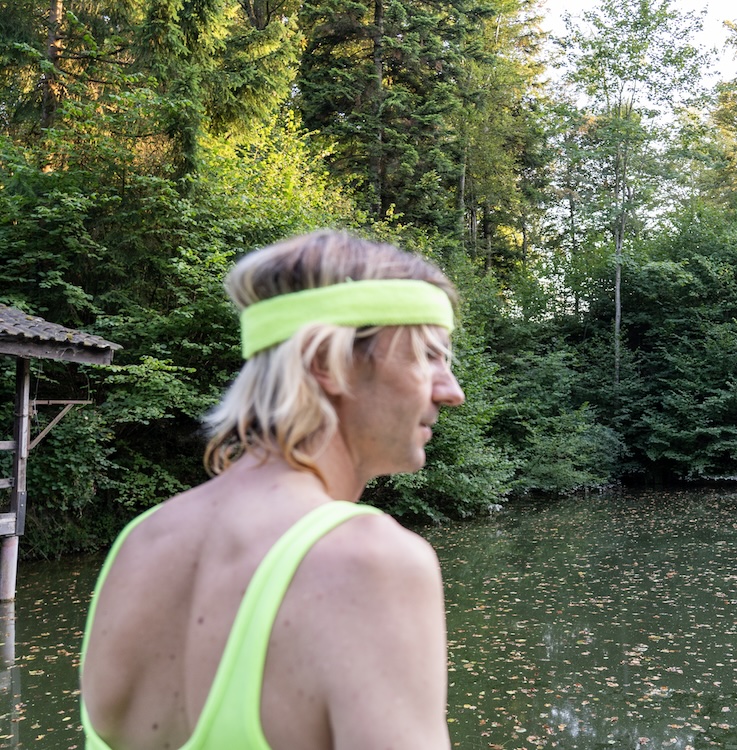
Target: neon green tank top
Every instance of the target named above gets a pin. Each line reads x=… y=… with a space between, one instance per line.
x=231 y=717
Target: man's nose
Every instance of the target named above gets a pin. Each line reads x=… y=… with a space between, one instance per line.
x=448 y=391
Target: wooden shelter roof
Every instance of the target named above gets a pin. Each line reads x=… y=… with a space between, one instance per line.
x=23 y=335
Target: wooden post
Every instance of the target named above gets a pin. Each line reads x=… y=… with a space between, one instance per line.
x=8 y=567
x=22 y=440
x=9 y=548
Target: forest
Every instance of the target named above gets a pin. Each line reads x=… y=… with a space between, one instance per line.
x=581 y=192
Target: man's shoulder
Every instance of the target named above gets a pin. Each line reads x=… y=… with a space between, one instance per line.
x=377 y=550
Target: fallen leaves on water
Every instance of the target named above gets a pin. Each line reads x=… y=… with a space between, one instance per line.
x=604 y=622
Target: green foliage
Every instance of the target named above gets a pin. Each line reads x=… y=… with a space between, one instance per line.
x=106 y=241
x=68 y=472
x=151 y=390
x=561 y=447
x=568 y=452
x=161 y=140
x=684 y=323
x=378 y=81
x=504 y=154
x=270 y=183
x=631 y=61
x=147 y=482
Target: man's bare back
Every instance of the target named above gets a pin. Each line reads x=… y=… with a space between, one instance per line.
x=195 y=556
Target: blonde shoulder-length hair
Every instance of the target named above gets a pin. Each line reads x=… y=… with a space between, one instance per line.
x=275 y=405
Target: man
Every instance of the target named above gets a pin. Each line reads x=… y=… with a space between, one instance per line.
x=265 y=609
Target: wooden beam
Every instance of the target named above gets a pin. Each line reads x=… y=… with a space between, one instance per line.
x=59 y=402
x=7 y=445
x=50 y=426
x=7 y=524
x=55 y=350
x=6 y=483
x=20 y=513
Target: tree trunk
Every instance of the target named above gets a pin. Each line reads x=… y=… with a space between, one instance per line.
x=50 y=82
x=258 y=13
x=619 y=243
x=574 y=250
x=486 y=232
x=623 y=194
x=461 y=205
x=375 y=161
x=617 y=309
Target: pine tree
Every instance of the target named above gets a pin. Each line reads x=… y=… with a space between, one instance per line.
x=503 y=139
x=378 y=81
x=205 y=61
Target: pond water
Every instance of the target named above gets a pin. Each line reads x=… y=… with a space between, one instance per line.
x=43 y=629
x=608 y=621
x=605 y=622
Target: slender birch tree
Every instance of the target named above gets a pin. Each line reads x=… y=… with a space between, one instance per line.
x=631 y=64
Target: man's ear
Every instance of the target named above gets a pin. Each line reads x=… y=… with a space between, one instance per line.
x=324 y=375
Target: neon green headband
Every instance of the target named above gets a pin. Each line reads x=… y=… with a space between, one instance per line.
x=373 y=302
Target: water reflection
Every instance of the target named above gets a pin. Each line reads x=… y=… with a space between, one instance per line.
x=9 y=678
x=41 y=634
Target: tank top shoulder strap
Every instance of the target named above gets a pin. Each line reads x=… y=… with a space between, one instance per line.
x=234 y=704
